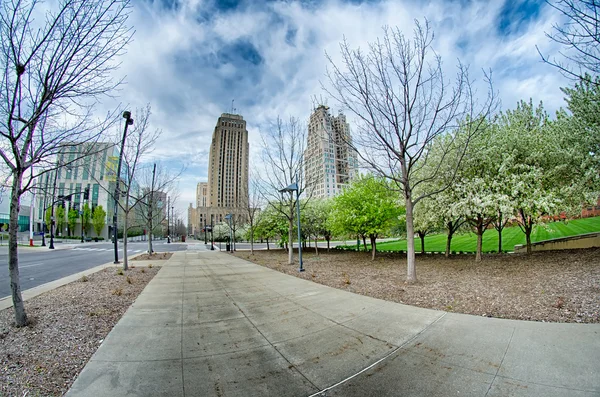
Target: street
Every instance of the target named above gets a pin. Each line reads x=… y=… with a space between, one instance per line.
x=41 y=265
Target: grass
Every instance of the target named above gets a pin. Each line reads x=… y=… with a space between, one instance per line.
x=511 y=236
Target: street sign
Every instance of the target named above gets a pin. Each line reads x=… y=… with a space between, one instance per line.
x=38 y=233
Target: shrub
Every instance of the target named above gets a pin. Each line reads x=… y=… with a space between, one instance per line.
x=84 y=279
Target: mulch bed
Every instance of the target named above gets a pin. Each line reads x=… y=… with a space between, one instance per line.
x=557 y=286
x=157 y=256
x=67 y=325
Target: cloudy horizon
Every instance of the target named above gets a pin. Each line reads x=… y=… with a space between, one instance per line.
x=190 y=59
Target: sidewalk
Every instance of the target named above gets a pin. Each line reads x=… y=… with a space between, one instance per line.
x=210 y=324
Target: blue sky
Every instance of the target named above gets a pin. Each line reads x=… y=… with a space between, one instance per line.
x=190 y=58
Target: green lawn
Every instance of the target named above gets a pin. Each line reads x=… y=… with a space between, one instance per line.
x=510 y=237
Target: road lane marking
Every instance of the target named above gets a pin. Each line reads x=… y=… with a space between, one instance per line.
x=32 y=265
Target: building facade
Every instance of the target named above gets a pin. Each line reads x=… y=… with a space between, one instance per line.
x=202 y=195
x=95 y=172
x=330 y=163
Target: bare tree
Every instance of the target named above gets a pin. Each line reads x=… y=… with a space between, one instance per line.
x=283 y=161
x=252 y=208
x=51 y=72
x=149 y=211
x=580 y=37
x=403 y=103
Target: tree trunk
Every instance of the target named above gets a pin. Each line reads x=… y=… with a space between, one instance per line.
x=480 y=231
x=528 y=239
x=499 y=227
x=411 y=270
x=251 y=240
x=373 y=238
x=364 y=242
x=449 y=243
x=317 y=245
x=290 y=243
x=422 y=237
x=13 y=257
x=500 y=240
x=125 y=226
x=268 y=248
x=150 y=249
x=527 y=228
x=328 y=239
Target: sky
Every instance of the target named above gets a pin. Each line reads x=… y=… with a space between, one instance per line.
x=190 y=59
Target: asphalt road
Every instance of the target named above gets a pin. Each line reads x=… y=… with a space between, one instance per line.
x=41 y=265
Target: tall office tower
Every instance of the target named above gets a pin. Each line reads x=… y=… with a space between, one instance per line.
x=228 y=167
x=330 y=163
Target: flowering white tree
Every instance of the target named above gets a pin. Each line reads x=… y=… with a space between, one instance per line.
x=545 y=166
x=426 y=220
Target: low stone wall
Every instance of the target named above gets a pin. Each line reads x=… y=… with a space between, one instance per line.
x=589 y=240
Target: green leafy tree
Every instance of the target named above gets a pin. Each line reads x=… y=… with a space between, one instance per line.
x=73 y=215
x=270 y=225
x=583 y=101
x=48 y=216
x=314 y=221
x=366 y=208
x=87 y=218
x=60 y=218
x=98 y=219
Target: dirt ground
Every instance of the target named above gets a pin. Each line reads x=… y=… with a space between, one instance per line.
x=157 y=256
x=68 y=325
x=557 y=286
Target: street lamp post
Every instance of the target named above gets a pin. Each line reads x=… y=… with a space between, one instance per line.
x=228 y=217
x=168 y=223
x=294 y=188
x=52 y=213
x=128 y=122
x=173 y=218
x=44 y=213
x=212 y=236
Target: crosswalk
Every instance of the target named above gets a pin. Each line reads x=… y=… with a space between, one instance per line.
x=104 y=249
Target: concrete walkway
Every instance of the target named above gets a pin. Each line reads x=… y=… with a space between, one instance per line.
x=210 y=324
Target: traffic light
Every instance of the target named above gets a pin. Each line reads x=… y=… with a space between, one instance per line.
x=86 y=193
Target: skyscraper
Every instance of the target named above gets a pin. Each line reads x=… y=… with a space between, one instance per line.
x=227 y=190
x=330 y=163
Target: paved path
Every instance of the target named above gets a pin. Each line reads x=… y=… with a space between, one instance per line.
x=210 y=324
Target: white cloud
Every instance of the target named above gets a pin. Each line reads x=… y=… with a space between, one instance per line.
x=185 y=62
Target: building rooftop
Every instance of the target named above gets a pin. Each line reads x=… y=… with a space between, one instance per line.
x=232 y=116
